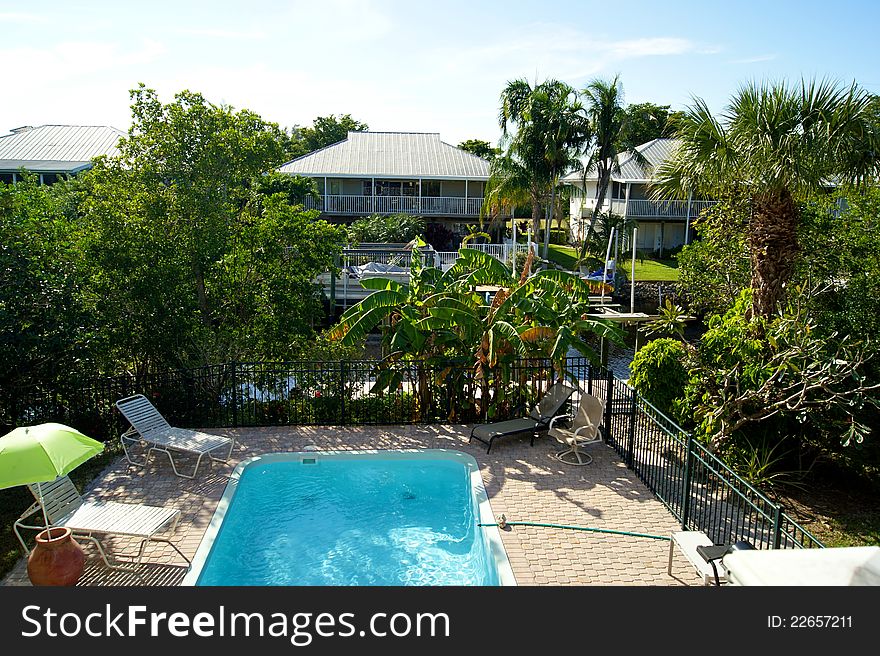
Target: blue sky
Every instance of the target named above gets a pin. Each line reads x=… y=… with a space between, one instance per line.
x=419 y=66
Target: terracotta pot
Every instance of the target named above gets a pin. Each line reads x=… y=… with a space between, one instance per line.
x=57 y=559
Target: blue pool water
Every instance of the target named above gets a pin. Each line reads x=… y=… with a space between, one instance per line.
x=316 y=519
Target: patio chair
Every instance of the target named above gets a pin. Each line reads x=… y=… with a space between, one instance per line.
x=92 y=520
x=537 y=421
x=150 y=429
x=578 y=430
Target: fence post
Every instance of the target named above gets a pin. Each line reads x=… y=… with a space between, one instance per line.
x=631 y=438
x=342 y=374
x=609 y=400
x=777 y=526
x=686 y=483
x=234 y=378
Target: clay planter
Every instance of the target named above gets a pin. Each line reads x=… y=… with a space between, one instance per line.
x=57 y=559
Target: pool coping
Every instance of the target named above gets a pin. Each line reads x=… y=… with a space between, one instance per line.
x=487 y=522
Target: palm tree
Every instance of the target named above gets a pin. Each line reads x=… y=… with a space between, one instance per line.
x=551 y=129
x=777 y=144
x=604 y=105
x=510 y=185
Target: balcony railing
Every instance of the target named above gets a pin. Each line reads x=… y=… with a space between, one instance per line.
x=425 y=206
x=647 y=209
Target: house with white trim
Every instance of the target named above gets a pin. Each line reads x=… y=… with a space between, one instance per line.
x=54 y=151
x=663 y=225
x=396 y=172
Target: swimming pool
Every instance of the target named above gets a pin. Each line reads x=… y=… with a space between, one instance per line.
x=353 y=518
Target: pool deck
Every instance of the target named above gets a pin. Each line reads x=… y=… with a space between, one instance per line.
x=524 y=483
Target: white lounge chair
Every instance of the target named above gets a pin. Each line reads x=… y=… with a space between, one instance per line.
x=578 y=430
x=149 y=428
x=92 y=520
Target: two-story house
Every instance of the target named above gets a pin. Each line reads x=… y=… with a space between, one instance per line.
x=663 y=225
x=396 y=172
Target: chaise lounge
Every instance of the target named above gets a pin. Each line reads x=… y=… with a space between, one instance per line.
x=537 y=421
x=92 y=520
x=149 y=428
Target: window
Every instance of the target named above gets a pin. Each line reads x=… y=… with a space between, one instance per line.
x=387 y=188
x=431 y=188
x=335 y=187
x=368 y=187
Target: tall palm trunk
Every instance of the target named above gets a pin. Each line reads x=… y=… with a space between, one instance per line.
x=549 y=222
x=772 y=246
x=601 y=191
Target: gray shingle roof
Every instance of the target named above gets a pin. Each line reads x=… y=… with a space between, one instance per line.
x=656 y=152
x=392 y=155
x=61 y=148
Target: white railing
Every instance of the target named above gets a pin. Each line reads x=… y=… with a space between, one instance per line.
x=445 y=259
x=665 y=209
x=427 y=206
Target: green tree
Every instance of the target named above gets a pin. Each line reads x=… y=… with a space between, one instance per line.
x=603 y=100
x=479 y=148
x=646 y=122
x=189 y=262
x=328 y=130
x=714 y=269
x=789 y=372
x=551 y=130
x=44 y=330
x=295 y=188
x=775 y=144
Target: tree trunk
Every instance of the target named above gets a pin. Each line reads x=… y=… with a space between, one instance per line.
x=549 y=223
x=536 y=218
x=772 y=247
x=601 y=191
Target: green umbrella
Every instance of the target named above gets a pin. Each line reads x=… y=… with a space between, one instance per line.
x=36 y=454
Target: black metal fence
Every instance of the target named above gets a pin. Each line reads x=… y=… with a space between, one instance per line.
x=698 y=488
x=242 y=394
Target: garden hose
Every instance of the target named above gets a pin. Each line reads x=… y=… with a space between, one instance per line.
x=502 y=522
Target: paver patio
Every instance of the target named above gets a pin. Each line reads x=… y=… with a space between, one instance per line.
x=524 y=483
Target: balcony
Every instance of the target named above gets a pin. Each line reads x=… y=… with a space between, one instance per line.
x=421 y=206
x=649 y=209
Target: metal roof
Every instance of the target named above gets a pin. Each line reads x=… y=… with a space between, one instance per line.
x=655 y=152
x=390 y=155
x=60 y=148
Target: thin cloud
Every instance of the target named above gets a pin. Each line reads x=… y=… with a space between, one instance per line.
x=569 y=53
x=17 y=17
x=753 y=60
x=219 y=33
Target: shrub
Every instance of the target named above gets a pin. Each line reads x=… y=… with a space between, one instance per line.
x=659 y=373
x=391 y=229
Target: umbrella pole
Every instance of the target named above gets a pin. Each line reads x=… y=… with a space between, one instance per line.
x=43 y=506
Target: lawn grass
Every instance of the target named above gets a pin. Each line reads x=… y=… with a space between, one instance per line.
x=646 y=270
x=15 y=500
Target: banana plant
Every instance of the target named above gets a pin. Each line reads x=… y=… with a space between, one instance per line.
x=475 y=312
